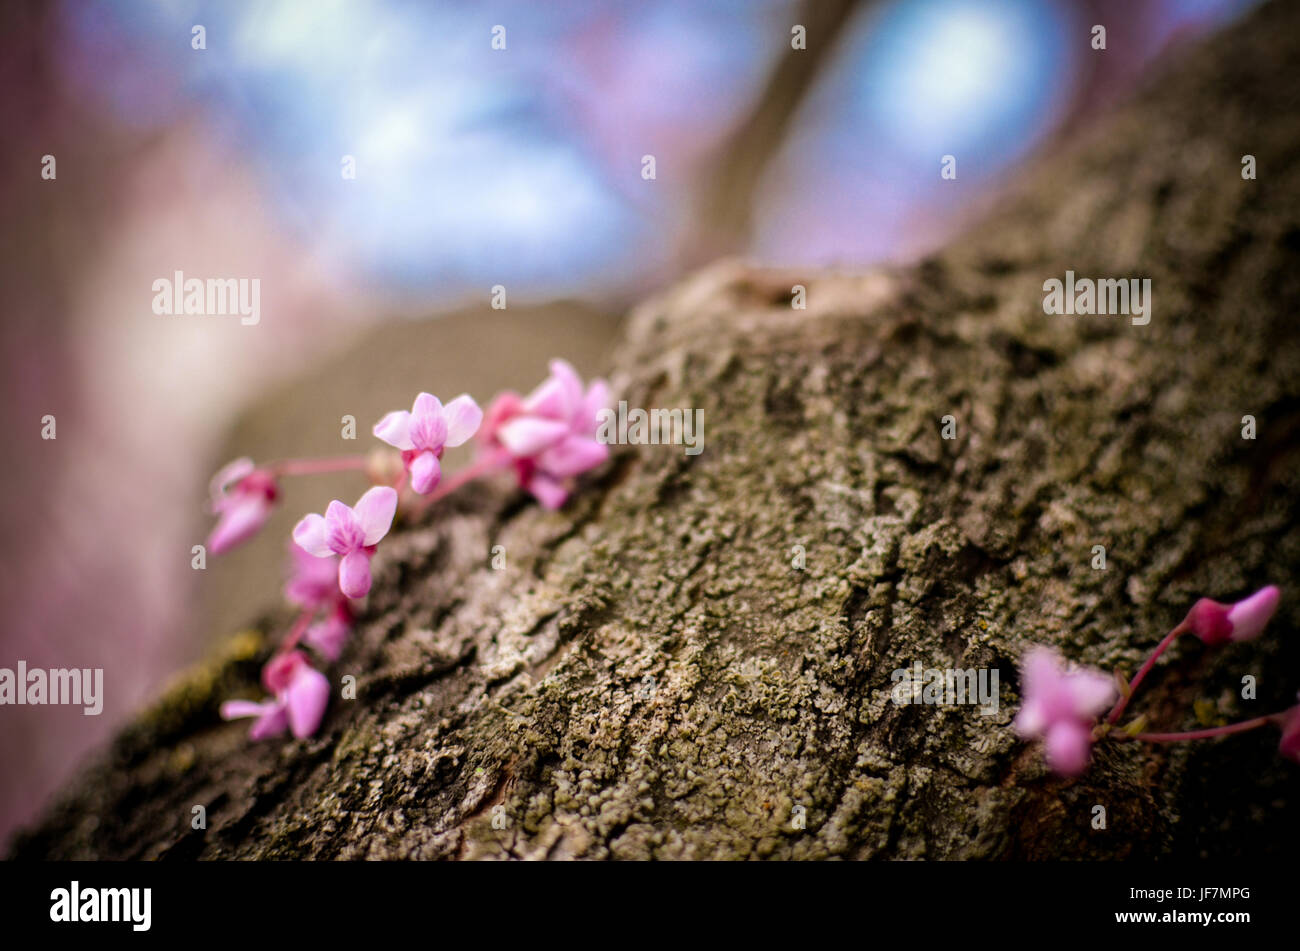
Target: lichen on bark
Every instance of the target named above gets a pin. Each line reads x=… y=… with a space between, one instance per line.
x=650 y=675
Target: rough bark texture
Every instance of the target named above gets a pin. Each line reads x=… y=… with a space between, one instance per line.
x=650 y=676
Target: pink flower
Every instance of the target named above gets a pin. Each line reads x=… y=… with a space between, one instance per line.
x=1217 y=623
x=329 y=635
x=352 y=533
x=549 y=436
x=242 y=499
x=1290 y=744
x=314 y=582
x=301 y=694
x=1061 y=706
x=424 y=432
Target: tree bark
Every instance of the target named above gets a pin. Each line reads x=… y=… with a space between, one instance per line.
x=650 y=675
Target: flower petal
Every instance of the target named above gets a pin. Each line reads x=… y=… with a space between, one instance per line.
x=1042 y=678
x=270 y=716
x=374 y=512
x=395 y=429
x=240 y=520
x=528 y=435
x=310 y=535
x=427 y=406
x=546 y=490
x=343 y=530
x=270 y=723
x=558 y=396
x=597 y=399
x=237 y=709
x=312 y=583
x=570 y=385
x=1091 y=692
x=1067 y=747
x=1249 y=616
x=428 y=427
x=328 y=636
x=504 y=407
x=354 y=574
x=463 y=418
x=305 y=701
x=573 y=456
x=227 y=476
x=425 y=472
x=1029 y=722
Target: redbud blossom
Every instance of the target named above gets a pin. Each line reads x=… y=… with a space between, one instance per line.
x=1216 y=623
x=301 y=694
x=1061 y=707
x=352 y=533
x=424 y=432
x=242 y=499
x=550 y=435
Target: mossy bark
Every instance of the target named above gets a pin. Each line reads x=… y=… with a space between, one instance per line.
x=650 y=675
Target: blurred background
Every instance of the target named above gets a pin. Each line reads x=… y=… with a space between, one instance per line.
x=474 y=167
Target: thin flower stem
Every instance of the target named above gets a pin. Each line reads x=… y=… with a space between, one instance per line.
x=296 y=632
x=293 y=467
x=1146 y=667
x=1241 y=727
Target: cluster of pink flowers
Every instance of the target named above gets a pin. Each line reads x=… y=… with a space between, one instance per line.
x=1062 y=704
x=549 y=436
x=546 y=440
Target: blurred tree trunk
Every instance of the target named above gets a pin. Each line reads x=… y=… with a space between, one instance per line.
x=729 y=187
x=651 y=675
